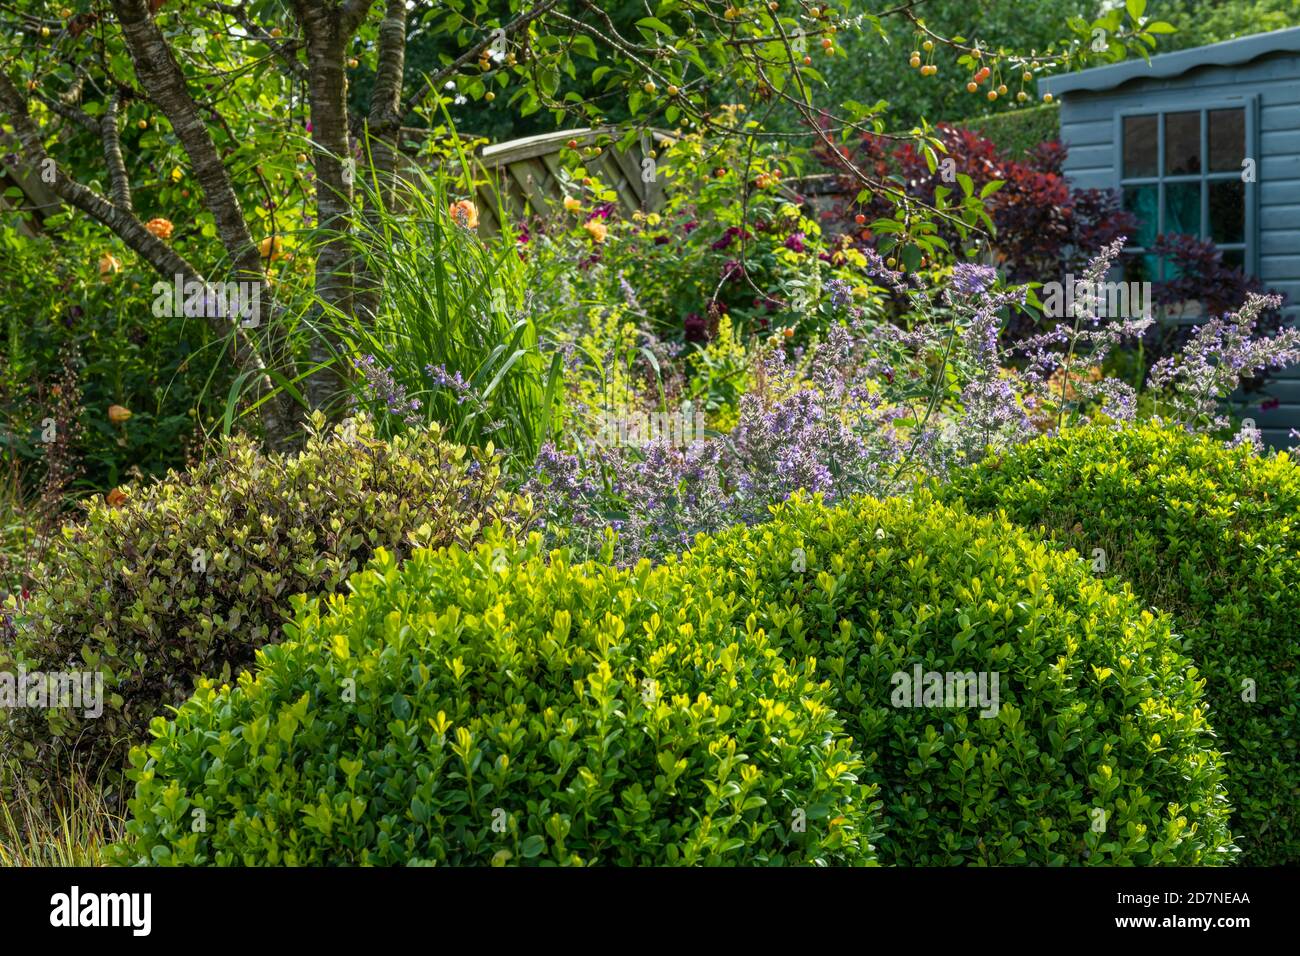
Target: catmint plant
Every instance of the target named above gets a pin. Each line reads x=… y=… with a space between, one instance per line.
x=1218 y=355
x=870 y=407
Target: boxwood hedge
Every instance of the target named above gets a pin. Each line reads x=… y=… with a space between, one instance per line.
x=736 y=705
x=492 y=707
x=1099 y=751
x=194 y=572
x=1211 y=535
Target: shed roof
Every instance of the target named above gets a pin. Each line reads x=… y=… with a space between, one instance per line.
x=1167 y=65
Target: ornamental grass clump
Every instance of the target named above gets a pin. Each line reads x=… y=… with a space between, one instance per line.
x=195 y=572
x=1211 y=535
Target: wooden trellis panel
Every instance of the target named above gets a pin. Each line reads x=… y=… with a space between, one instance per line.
x=525 y=175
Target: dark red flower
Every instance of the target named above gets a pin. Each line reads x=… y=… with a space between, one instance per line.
x=696 y=327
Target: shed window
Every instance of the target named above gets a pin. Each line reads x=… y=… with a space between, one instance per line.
x=1181 y=172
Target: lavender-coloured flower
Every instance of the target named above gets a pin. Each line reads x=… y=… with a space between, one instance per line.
x=969 y=278
x=381 y=388
x=455 y=383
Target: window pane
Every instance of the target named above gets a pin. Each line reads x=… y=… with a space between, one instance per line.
x=1141 y=202
x=1182 y=143
x=1140 y=146
x=1235 y=259
x=1183 y=208
x=1227 y=140
x=1228 y=211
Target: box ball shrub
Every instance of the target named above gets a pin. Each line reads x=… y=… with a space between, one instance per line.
x=599 y=716
x=495 y=707
x=1098 y=751
x=1211 y=535
x=194 y=572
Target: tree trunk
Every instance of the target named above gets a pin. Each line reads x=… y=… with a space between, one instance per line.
x=325 y=26
x=382 y=128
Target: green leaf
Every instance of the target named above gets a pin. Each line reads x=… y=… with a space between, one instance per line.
x=653 y=23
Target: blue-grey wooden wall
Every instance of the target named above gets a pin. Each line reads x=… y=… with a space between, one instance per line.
x=1269 y=87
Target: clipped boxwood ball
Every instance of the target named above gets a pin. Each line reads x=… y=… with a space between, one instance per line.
x=497 y=708
x=1097 y=749
x=1211 y=535
x=194 y=572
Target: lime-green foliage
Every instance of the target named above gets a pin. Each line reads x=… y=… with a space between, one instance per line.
x=196 y=571
x=720 y=374
x=1098 y=711
x=1017 y=133
x=604 y=713
x=494 y=707
x=1212 y=536
x=606 y=346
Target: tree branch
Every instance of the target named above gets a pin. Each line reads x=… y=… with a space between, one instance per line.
x=472 y=54
x=386 y=95
x=119 y=183
x=165 y=85
x=353 y=15
x=73 y=114
x=286 y=51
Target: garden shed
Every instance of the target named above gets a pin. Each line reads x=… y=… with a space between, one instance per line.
x=1204 y=142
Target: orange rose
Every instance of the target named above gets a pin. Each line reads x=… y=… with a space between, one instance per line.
x=161 y=228
x=271 y=248
x=598 y=230
x=117 y=414
x=464 y=213
x=116 y=498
